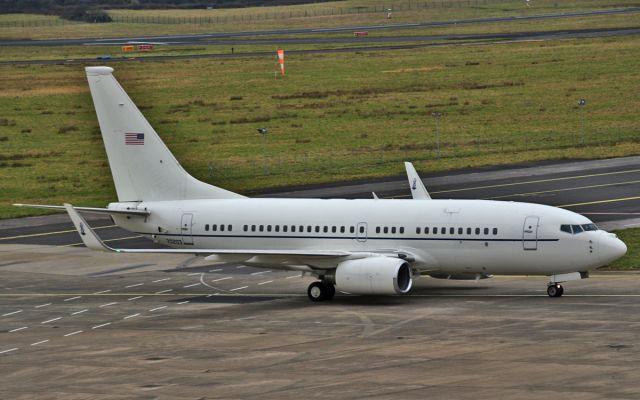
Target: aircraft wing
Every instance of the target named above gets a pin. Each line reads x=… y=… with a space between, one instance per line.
x=88 y=209
x=418 y=191
x=315 y=258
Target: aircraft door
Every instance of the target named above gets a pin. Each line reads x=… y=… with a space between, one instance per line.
x=185 y=227
x=361 y=232
x=530 y=233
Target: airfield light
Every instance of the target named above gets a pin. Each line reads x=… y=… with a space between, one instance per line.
x=263 y=132
x=581 y=104
x=436 y=115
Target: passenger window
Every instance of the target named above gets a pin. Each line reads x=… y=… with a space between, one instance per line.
x=460 y=230
x=486 y=231
x=293 y=228
x=377 y=229
x=452 y=230
x=268 y=228
x=495 y=231
x=477 y=231
x=443 y=230
x=402 y=229
x=326 y=229
x=206 y=227
x=214 y=227
x=334 y=229
x=426 y=230
x=317 y=229
x=393 y=230
x=261 y=228
x=342 y=229
x=253 y=228
x=566 y=228
x=245 y=228
x=468 y=231
x=229 y=228
x=435 y=231
x=362 y=229
x=277 y=228
x=221 y=228
x=285 y=228
x=352 y=229
x=385 y=230
x=418 y=230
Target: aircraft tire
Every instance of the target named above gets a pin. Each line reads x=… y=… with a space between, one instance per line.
x=555 y=290
x=317 y=291
x=331 y=290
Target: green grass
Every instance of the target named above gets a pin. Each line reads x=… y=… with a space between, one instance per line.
x=260 y=18
x=333 y=117
x=631 y=260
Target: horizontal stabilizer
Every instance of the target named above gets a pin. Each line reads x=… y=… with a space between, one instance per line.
x=88 y=209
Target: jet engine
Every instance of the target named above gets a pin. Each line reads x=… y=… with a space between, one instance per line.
x=374 y=275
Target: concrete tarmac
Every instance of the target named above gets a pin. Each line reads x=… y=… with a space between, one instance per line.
x=81 y=324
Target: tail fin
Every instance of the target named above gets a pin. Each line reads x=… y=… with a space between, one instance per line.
x=142 y=166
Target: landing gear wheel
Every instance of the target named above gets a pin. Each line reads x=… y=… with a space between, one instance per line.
x=555 y=290
x=321 y=291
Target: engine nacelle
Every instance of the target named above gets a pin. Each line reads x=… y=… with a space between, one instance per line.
x=374 y=275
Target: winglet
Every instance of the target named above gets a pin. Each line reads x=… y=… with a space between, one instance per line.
x=418 y=191
x=88 y=236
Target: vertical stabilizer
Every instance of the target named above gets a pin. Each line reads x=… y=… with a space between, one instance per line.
x=142 y=166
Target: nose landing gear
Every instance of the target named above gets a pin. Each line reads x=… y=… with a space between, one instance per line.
x=321 y=291
x=555 y=290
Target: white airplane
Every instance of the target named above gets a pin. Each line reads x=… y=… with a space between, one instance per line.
x=370 y=246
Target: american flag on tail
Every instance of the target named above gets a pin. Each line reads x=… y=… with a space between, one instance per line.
x=134 y=138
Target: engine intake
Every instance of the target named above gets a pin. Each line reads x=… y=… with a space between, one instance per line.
x=374 y=275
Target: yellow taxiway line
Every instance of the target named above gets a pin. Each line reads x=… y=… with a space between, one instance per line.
x=599 y=202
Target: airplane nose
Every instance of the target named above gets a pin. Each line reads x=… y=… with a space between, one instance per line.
x=610 y=248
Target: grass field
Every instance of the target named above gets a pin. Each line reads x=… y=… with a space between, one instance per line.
x=333 y=117
x=261 y=18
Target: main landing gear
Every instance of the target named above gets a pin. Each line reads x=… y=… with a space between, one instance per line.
x=555 y=290
x=321 y=291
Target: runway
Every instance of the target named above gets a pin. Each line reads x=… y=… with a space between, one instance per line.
x=79 y=324
x=200 y=38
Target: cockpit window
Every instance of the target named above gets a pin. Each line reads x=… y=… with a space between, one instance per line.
x=575 y=229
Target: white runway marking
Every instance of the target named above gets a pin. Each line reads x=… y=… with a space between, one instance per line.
x=50 y=320
x=80 y=312
x=11 y=313
x=130 y=286
x=9 y=350
x=183 y=302
x=131 y=316
x=72 y=333
x=194 y=273
x=264 y=283
x=43 y=305
x=108 y=304
x=164 y=291
x=192 y=285
x=241 y=266
x=134 y=298
x=260 y=272
x=18 y=329
x=215 y=270
x=238 y=288
x=292 y=276
x=221 y=279
x=158 y=308
x=102 y=292
x=40 y=342
x=101 y=325
x=161 y=280
x=72 y=298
